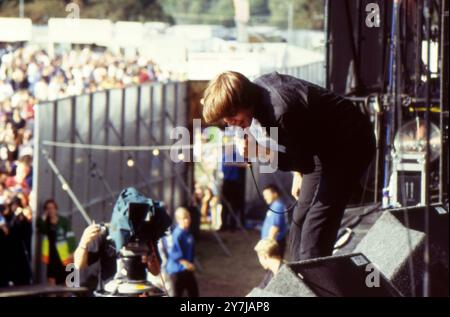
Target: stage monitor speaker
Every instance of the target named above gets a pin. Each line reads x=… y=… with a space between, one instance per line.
x=350 y=275
x=396 y=242
x=259 y=292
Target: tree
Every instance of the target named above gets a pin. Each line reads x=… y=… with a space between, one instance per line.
x=224 y=9
x=133 y=10
x=125 y=10
x=259 y=7
x=200 y=11
x=307 y=14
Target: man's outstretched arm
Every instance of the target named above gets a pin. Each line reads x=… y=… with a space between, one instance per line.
x=81 y=253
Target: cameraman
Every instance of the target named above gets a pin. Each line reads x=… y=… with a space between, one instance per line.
x=95 y=247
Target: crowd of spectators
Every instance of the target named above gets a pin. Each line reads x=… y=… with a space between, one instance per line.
x=28 y=76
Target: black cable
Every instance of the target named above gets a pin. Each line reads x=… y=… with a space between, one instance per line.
x=285 y=211
x=353 y=49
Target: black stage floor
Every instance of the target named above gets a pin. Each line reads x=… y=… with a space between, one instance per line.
x=359 y=220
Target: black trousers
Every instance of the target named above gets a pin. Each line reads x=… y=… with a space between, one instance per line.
x=182 y=281
x=56 y=270
x=324 y=195
x=282 y=246
x=232 y=198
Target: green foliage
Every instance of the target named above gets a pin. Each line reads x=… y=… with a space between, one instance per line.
x=38 y=11
x=275 y=12
x=200 y=11
x=132 y=10
x=259 y=7
x=306 y=13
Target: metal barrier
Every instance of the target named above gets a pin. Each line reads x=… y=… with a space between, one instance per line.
x=314 y=72
x=67 y=129
x=72 y=134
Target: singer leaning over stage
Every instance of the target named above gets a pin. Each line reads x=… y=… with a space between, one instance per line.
x=323 y=136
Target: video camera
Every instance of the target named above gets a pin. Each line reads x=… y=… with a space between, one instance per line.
x=137 y=222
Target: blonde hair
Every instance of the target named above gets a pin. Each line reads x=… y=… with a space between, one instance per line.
x=226 y=94
x=181 y=211
x=268 y=247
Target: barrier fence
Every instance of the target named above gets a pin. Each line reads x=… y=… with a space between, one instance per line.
x=313 y=72
x=133 y=116
x=90 y=140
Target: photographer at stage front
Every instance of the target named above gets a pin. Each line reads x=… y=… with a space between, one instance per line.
x=95 y=247
x=321 y=135
x=125 y=249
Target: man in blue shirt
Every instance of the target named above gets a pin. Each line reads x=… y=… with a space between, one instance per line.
x=180 y=262
x=275 y=224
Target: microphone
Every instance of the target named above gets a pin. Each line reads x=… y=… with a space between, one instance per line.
x=245 y=163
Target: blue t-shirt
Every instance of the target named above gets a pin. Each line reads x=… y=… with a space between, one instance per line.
x=275 y=219
x=182 y=249
x=231 y=173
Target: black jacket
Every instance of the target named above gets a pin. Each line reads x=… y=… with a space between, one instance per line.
x=311 y=121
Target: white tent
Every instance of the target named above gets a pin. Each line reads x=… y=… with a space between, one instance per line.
x=15 y=30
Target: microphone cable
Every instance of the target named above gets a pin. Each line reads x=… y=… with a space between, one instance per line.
x=285 y=211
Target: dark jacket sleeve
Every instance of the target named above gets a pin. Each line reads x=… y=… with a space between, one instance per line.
x=298 y=156
x=287 y=100
x=41 y=226
x=294 y=120
x=93 y=257
x=101 y=246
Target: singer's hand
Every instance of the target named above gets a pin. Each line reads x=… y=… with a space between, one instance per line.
x=242 y=147
x=247 y=147
x=296 y=185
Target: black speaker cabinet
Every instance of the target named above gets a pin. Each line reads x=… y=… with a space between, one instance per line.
x=350 y=275
x=396 y=244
